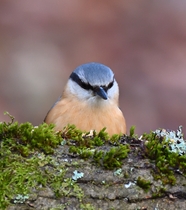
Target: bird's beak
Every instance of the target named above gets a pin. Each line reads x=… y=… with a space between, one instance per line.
x=101 y=92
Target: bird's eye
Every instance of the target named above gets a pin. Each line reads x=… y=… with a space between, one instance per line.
x=106 y=88
x=110 y=85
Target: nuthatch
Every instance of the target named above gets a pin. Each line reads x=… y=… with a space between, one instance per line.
x=89 y=101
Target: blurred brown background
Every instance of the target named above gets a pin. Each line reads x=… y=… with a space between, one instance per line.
x=144 y=42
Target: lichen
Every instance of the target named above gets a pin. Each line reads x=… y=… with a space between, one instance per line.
x=174 y=138
x=162 y=146
x=77 y=175
x=118 y=172
x=20 y=198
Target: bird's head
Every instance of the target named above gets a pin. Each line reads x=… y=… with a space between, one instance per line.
x=94 y=83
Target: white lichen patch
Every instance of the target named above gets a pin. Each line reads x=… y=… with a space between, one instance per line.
x=77 y=175
x=174 y=138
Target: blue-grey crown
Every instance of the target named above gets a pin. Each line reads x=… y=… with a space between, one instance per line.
x=92 y=75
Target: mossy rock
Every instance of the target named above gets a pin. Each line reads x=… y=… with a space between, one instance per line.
x=44 y=169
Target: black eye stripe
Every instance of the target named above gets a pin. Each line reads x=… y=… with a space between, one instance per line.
x=76 y=79
x=87 y=86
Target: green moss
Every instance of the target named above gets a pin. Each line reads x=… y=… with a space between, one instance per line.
x=25 y=138
x=113 y=158
x=144 y=184
x=158 y=150
x=86 y=146
x=126 y=175
x=109 y=160
x=159 y=192
x=84 y=153
x=97 y=157
x=84 y=139
x=67 y=188
x=132 y=131
x=23 y=174
x=114 y=139
x=26 y=161
x=26 y=164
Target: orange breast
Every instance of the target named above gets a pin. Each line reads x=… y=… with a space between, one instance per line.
x=86 y=118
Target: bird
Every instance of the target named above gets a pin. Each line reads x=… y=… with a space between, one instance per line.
x=89 y=101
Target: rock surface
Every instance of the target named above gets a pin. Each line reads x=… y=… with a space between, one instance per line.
x=107 y=189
